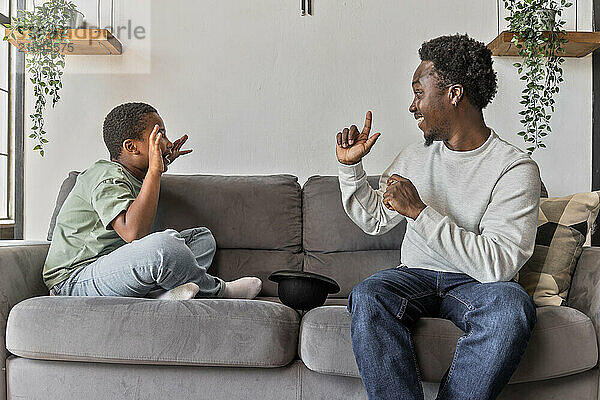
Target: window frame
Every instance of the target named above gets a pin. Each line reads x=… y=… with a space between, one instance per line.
x=6 y=223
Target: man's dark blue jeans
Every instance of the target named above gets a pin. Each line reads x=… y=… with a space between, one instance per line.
x=497 y=319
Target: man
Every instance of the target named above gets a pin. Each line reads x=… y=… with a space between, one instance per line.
x=471 y=202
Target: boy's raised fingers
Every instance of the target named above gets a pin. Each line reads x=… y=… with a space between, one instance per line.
x=179 y=142
x=153 y=133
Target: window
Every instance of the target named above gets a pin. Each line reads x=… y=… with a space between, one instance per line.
x=6 y=220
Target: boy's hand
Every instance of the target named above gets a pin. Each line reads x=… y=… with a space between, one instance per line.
x=155 y=159
x=176 y=150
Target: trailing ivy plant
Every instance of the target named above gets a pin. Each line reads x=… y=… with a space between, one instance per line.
x=47 y=26
x=540 y=42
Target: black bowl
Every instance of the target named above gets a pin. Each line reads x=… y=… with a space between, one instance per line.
x=303 y=290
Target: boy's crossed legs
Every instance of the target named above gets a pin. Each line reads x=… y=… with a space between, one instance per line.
x=175 y=262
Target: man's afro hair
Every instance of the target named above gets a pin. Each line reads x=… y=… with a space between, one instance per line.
x=126 y=121
x=458 y=59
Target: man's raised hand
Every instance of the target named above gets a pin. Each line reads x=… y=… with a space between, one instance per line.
x=352 y=146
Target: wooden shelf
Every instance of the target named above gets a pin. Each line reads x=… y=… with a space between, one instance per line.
x=81 y=42
x=580 y=44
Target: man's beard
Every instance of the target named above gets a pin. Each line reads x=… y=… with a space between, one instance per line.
x=434 y=135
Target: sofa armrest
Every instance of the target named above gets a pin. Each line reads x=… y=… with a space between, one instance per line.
x=584 y=294
x=21 y=264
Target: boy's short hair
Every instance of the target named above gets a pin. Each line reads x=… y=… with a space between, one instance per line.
x=124 y=122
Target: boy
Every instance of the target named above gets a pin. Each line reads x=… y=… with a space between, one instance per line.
x=102 y=245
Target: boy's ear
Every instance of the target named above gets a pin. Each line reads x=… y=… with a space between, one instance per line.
x=129 y=146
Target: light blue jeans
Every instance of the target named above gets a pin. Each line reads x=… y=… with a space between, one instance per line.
x=497 y=319
x=159 y=261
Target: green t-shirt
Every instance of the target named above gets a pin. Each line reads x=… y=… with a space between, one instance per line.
x=83 y=231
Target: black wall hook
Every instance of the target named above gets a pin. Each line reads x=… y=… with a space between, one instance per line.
x=303 y=7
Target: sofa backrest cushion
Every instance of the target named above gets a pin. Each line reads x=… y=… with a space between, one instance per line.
x=63 y=192
x=242 y=212
x=326 y=226
x=334 y=246
x=256 y=220
x=231 y=264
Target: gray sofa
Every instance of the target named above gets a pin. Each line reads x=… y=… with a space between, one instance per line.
x=129 y=348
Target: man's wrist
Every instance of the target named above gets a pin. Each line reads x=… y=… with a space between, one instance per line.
x=418 y=212
x=350 y=173
x=350 y=163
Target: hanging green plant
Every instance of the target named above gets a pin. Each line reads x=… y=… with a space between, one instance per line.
x=47 y=28
x=539 y=38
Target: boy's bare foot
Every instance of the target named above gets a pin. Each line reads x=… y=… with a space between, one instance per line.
x=244 y=288
x=186 y=291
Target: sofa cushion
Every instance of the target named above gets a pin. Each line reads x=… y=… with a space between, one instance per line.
x=242 y=212
x=326 y=226
x=231 y=264
x=246 y=212
x=63 y=192
x=564 y=223
x=563 y=343
x=334 y=246
x=206 y=332
x=350 y=267
x=329 y=301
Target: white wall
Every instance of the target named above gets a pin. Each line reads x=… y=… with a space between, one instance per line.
x=261 y=90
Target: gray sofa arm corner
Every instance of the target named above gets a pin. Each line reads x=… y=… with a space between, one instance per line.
x=584 y=294
x=21 y=264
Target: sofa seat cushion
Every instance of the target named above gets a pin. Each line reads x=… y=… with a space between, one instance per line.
x=203 y=332
x=563 y=343
x=330 y=301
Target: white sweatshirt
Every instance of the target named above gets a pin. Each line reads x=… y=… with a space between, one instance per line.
x=482 y=207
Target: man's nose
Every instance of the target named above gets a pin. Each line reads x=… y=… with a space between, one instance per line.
x=412 y=108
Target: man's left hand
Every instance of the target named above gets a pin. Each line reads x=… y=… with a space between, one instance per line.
x=402 y=196
x=176 y=149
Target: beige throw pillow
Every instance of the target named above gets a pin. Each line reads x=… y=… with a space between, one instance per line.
x=564 y=227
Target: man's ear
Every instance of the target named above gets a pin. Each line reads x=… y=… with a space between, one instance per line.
x=455 y=94
x=129 y=146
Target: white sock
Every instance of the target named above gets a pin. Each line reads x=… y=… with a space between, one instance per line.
x=186 y=291
x=244 y=288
